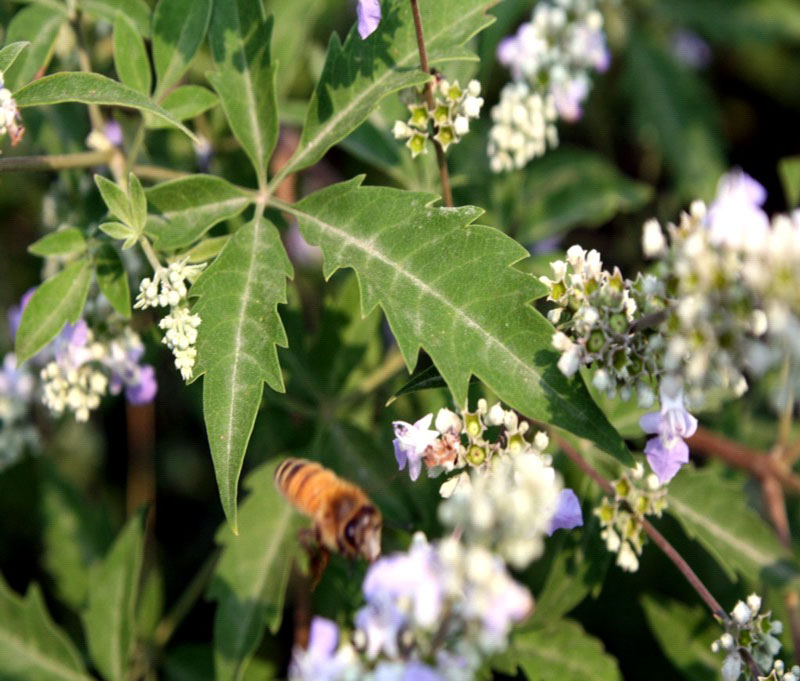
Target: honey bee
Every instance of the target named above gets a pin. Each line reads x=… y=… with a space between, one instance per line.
x=345 y=520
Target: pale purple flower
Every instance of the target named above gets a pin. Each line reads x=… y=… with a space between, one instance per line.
x=735 y=218
x=138 y=380
x=369 y=16
x=568 y=513
x=568 y=95
x=15 y=311
x=405 y=671
x=15 y=382
x=113 y=132
x=411 y=442
x=690 y=48
x=320 y=661
x=667 y=452
x=589 y=43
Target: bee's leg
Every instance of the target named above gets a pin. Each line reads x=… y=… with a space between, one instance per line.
x=308 y=539
x=319 y=561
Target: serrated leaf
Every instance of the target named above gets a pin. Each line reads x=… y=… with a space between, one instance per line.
x=57 y=301
x=179 y=28
x=250 y=580
x=31 y=645
x=245 y=77
x=423 y=379
x=91 y=88
x=358 y=74
x=185 y=102
x=137 y=11
x=130 y=56
x=67 y=241
x=116 y=200
x=75 y=536
x=40 y=25
x=715 y=512
x=685 y=635
x=207 y=249
x=448 y=286
x=190 y=206
x=109 y=618
x=668 y=99
x=9 y=54
x=789 y=170
x=569 y=188
x=117 y=230
x=238 y=299
x=562 y=651
x=113 y=279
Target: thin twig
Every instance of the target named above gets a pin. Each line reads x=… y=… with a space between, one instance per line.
x=441 y=159
x=152 y=258
x=84 y=159
x=757 y=463
x=657 y=538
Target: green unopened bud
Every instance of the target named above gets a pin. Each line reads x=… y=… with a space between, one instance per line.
x=419 y=116
x=473 y=425
x=641 y=505
x=618 y=323
x=622 y=488
x=417 y=144
x=596 y=341
x=476 y=455
x=619 y=359
x=616 y=282
x=441 y=115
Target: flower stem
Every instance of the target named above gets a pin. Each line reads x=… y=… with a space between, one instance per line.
x=84 y=159
x=423 y=61
x=150 y=254
x=657 y=538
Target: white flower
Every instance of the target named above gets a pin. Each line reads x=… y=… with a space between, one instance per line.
x=447 y=421
x=181 y=334
x=410 y=443
x=741 y=613
x=496 y=415
x=754 y=602
x=731 y=667
x=461 y=125
x=654 y=243
x=626 y=558
x=570 y=361
x=726 y=641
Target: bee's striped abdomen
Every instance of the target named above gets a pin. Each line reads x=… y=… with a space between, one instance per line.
x=302 y=482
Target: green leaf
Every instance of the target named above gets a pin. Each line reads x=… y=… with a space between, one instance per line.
x=9 y=54
x=75 y=536
x=207 y=249
x=449 y=287
x=568 y=188
x=138 y=202
x=185 y=102
x=179 y=28
x=109 y=618
x=117 y=230
x=40 y=25
x=31 y=645
x=673 y=111
x=250 y=580
x=789 y=170
x=358 y=74
x=130 y=56
x=189 y=207
x=239 y=295
x=67 y=241
x=290 y=38
x=715 y=512
x=685 y=635
x=562 y=651
x=91 y=88
x=245 y=77
x=113 y=279
x=136 y=10
x=57 y=301
x=423 y=379
x=116 y=200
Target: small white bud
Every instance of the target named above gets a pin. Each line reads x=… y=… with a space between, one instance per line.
x=447 y=421
x=461 y=125
x=653 y=241
x=726 y=641
x=496 y=415
x=541 y=441
x=754 y=602
x=741 y=613
x=474 y=88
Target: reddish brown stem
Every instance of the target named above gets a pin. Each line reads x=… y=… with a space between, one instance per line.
x=760 y=465
x=657 y=538
x=441 y=159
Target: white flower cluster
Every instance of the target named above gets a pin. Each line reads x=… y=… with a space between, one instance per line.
x=523 y=127
x=446 y=602
x=10 y=119
x=607 y=322
x=16 y=394
x=550 y=58
x=755 y=634
x=453 y=109
x=635 y=496
x=734 y=282
x=779 y=673
x=168 y=288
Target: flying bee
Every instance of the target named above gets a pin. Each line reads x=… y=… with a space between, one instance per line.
x=345 y=520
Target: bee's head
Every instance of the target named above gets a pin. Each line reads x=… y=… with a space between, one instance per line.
x=363 y=532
